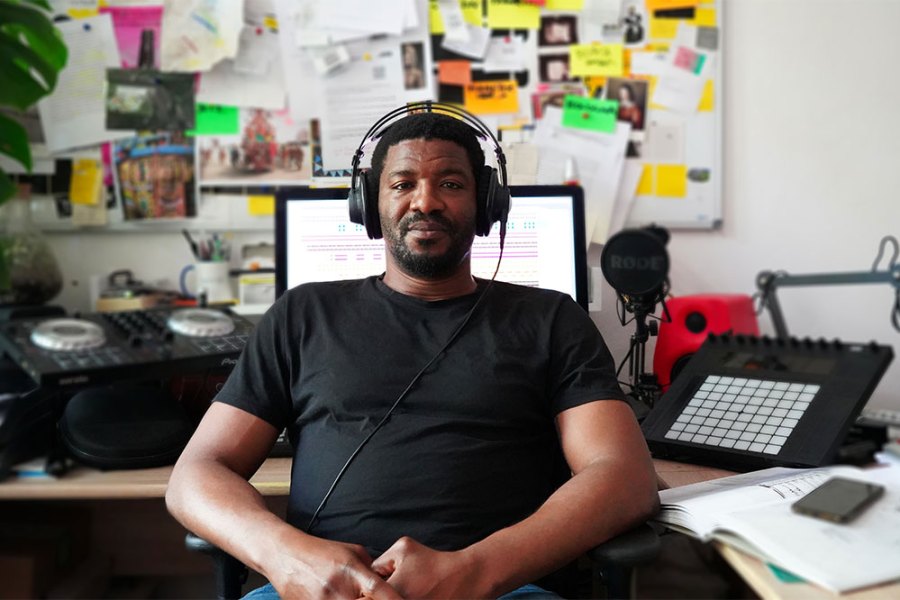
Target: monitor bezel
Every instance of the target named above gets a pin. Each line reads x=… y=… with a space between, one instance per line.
x=299 y=193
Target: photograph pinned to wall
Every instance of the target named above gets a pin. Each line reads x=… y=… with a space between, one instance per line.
x=315 y=146
x=558 y=30
x=632 y=97
x=269 y=147
x=146 y=99
x=552 y=95
x=413 y=56
x=634 y=19
x=554 y=68
x=154 y=175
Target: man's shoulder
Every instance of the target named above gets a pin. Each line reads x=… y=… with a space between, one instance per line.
x=327 y=289
x=515 y=291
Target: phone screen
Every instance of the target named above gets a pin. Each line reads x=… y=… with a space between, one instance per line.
x=838 y=499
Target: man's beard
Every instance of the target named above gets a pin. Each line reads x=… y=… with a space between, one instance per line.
x=429 y=266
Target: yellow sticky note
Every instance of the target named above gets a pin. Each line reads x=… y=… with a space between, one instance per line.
x=671 y=181
x=705 y=17
x=645 y=184
x=261 y=206
x=510 y=14
x=596 y=59
x=86 y=182
x=665 y=29
x=707 y=100
x=492 y=97
x=471 y=11
x=270 y=22
x=564 y=4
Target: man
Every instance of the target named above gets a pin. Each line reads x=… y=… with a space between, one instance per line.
x=464 y=488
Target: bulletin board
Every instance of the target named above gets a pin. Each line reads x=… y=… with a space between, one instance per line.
x=681 y=188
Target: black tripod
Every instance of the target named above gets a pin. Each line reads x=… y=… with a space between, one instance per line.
x=645 y=388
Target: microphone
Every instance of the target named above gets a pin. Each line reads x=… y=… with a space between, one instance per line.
x=636 y=264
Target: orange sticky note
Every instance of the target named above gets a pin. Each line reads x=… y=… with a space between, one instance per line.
x=492 y=97
x=455 y=72
x=671 y=181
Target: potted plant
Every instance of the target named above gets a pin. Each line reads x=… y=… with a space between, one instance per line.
x=32 y=54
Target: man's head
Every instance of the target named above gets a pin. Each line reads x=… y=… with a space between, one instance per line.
x=426 y=168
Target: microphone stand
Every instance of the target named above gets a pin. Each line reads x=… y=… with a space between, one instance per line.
x=645 y=388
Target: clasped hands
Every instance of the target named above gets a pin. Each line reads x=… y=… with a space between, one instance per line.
x=407 y=569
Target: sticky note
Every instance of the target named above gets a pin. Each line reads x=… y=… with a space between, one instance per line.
x=270 y=22
x=664 y=28
x=705 y=17
x=215 y=119
x=671 y=181
x=645 y=183
x=595 y=59
x=455 y=72
x=689 y=59
x=492 y=97
x=565 y=4
x=594 y=85
x=707 y=100
x=261 y=206
x=86 y=182
x=590 y=113
x=511 y=14
x=471 y=10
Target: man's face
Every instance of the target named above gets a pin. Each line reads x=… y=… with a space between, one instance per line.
x=426 y=202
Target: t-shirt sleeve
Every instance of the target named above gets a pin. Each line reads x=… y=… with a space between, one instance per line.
x=260 y=382
x=581 y=366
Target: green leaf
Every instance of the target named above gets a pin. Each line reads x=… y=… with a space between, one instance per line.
x=14 y=141
x=7 y=187
x=20 y=87
x=28 y=40
x=42 y=3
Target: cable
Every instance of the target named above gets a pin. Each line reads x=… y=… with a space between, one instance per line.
x=415 y=379
x=881 y=245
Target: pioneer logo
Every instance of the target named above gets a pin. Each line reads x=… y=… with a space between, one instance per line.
x=228 y=362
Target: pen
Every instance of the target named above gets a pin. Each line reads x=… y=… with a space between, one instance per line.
x=191 y=243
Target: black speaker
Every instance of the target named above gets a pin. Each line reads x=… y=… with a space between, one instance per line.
x=492 y=196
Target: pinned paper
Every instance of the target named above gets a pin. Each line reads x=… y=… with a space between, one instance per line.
x=261 y=206
x=588 y=113
x=511 y=14
x=708 y=38
x=492 y=97
x=87 y=181
x=215 y=119
x=455 y=72
x=471 y=11
x=455 y=25
x=671 y=181
x=595 y=59
x=689 y=60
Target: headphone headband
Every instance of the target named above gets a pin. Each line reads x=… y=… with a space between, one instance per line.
x=380 y=126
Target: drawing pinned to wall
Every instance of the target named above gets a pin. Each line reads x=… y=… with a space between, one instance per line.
x=632 y=97
x=558 y=30
x=270 y=147
x=554 y=68
x=413 y=65
x=634 y=17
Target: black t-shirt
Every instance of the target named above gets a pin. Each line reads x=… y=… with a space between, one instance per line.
x=470 y=449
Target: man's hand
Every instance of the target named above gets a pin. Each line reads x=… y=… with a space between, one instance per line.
x=417 y=571
x=331 y=570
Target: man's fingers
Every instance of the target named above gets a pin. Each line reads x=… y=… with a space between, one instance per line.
x=377 y=589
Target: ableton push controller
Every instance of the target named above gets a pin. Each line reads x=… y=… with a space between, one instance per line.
x=105 y=347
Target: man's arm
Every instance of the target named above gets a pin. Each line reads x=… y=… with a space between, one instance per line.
x=613 y=488
x=210 y=495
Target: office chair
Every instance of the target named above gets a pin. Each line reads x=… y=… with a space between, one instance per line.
x=615 y=561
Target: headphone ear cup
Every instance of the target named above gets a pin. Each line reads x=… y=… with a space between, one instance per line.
x=368 y=194
x=492 y=200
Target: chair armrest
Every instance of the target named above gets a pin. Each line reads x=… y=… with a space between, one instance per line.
x=635 y=547
x=229 y=573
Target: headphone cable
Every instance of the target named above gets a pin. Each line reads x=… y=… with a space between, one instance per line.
x=415 y=379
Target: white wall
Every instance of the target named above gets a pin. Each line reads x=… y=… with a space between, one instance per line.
x=811 y=183
x=812 y=168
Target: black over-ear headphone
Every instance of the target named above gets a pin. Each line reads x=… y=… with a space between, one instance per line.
x=493 y=186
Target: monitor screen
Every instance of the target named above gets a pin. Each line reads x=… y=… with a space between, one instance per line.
x=545 y=240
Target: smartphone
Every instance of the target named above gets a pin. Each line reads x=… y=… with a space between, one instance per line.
x=839 y=499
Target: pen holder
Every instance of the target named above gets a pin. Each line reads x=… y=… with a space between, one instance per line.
x=211 y=278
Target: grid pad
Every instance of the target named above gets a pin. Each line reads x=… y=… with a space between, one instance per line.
x=756 y=415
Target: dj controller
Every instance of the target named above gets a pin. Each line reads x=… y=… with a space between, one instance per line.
x=99 y=348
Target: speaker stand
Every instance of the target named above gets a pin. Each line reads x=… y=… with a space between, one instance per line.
x=645 y=388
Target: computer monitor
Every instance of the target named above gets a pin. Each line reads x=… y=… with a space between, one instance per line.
x=545 y=240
